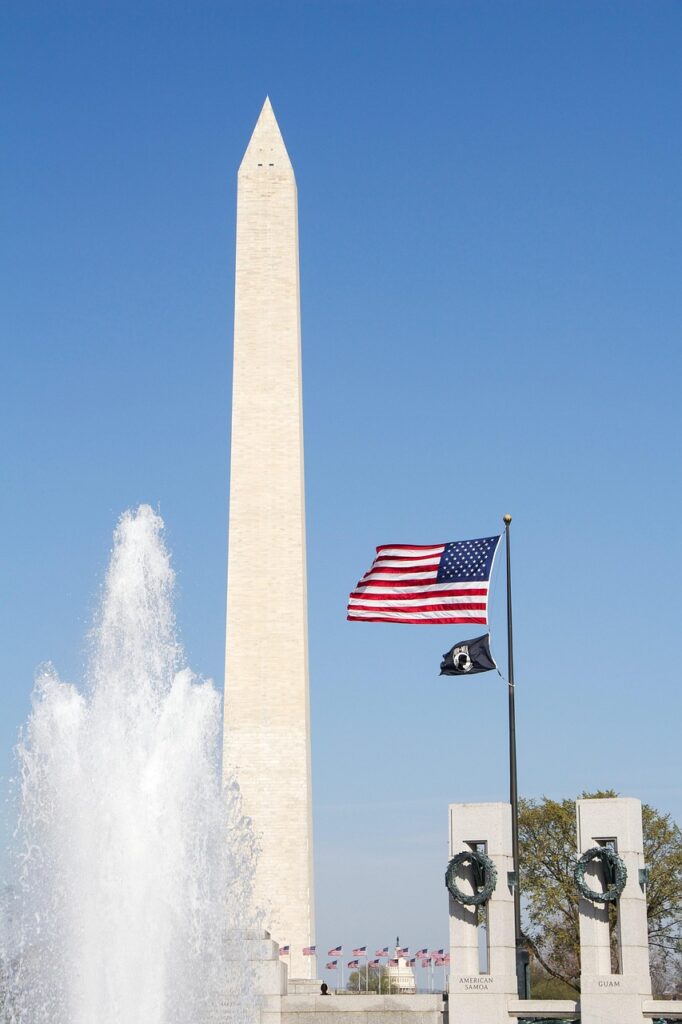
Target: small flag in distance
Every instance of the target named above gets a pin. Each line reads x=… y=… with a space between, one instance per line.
x=336 y=951
x=468 y=657
x=308 y=951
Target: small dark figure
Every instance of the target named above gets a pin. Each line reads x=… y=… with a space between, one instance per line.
x=324 y=989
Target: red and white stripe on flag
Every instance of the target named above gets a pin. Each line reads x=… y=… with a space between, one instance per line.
x=439 y=583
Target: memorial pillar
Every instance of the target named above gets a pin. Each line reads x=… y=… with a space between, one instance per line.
x=482 y=948
x=612 y=992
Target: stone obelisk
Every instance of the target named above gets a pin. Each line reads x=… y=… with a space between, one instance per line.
x=267 y=717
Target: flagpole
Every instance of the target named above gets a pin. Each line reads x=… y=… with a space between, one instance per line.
x=521 y=953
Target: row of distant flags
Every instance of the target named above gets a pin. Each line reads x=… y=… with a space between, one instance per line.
x=437 y=957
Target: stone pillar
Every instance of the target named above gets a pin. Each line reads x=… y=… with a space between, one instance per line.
x=608 y=998
x=480 y=996
x=267 y=721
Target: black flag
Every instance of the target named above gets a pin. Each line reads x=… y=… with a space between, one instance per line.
x=467 y=658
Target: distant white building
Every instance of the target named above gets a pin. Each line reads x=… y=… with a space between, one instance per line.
x=401 y=977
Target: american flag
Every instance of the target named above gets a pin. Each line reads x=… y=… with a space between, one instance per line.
x=382 y=952
x=308 y=951
x=336 y=951
x=437 y=583
x=375 y=963
x=437 y=952
x=360 y=951
x=284 y=951
x=426 y=961
x=402 y=951
x=353 y=963
x=332 y=965
x=392 y=963
x=421 y=952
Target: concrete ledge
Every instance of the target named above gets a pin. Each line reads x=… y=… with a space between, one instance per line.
x=555 y=1009
x=306 y=986
x=359 y=1009
x=671 y=1008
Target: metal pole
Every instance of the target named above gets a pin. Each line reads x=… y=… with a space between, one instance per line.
x=521 y=954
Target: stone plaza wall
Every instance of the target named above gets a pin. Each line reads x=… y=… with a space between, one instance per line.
x=359 y=1009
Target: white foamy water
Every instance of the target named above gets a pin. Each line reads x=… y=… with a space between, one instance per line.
x=134 y=865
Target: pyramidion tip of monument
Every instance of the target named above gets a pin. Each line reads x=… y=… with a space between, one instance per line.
x=266 y=151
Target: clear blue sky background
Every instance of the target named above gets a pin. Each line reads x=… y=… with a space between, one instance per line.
x=491 y=233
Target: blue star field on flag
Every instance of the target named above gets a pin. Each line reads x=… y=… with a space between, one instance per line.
x=467 y=560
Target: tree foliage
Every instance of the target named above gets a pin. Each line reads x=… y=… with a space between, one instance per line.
x=547 y=841
x=378 y=980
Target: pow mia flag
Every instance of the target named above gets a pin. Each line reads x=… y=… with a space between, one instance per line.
x=469 y=657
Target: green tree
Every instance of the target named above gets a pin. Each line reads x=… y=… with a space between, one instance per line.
x=378 y=980
x=547 y=843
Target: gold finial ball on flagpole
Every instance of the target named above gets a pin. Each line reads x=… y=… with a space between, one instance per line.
x=507 y=519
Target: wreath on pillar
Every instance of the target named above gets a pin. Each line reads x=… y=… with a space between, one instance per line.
x=615 y=874
x=485 y=877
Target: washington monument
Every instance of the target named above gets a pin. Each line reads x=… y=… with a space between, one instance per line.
x=267 y=717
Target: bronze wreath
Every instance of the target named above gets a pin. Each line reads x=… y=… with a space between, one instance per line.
x=615 y=870
x=485 y=878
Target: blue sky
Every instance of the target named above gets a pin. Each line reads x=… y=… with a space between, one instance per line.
x=491 y=233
